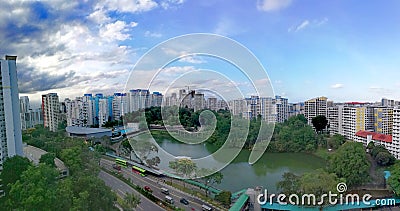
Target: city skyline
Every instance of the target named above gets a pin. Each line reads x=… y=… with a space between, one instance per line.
x=308 y=49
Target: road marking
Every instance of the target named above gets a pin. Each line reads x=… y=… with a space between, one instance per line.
x=123 y=193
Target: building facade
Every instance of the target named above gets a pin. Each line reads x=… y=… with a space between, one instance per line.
x=29 y=117
x=10 y=121
x=51 y=111
x=315 y=107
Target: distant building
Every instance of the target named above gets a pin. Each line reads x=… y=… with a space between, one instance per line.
x=29 y=117
x=387 y=103
x=120 y=105
x=396 y=132
x=10 y=121
x=212 y=103
x=156 y=99
x=315 y=107
x=198 y=101
x=268 y=110
x=282 y=108
x=51 y=111
x=139 y=99
x=296 y=109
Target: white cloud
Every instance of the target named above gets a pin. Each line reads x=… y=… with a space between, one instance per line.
x=272 y=5
x=131 y=6
x=99 y=16
x=116 y=30
x=152 y=34
x=171 y=3
x=192 y=60
x=337 y=86
x=307 y=23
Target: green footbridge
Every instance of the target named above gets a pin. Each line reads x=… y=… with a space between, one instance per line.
x=372 y=204
x=241 y=201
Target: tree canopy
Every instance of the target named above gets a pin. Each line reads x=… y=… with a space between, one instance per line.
x=394 y=179
x=319 y=122
x=350 y=162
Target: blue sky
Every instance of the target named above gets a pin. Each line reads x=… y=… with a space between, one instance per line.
x=345 y=50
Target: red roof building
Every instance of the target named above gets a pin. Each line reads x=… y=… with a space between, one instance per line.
x=375 y=136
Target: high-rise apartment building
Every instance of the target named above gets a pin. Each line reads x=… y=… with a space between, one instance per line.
x=335 y=119
x=120 y=105
x=51 y=111
x=383 y=120
x=212 y=103
x=29 y=117
x=268 y=110
x=296 y=109
x=139 y=99
x=396 y=133
x=315 y=107
x=198 y=101
x=282 y=108
x=10 y=121
x=156 y=99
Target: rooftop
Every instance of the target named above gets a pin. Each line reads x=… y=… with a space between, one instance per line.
x=375 y=136
x=85 y=130
x=34 y=154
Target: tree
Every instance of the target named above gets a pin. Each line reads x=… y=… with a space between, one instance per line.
x=385 y=159
x=336 y=141
x=211 y=179
x=377 y=149
x=319 y=182
x=36 y=190
x=224 y=197
x=131 y=201
x=184 y=167
x=290 y=184
x=91 y=192
x=72 y=158
x=48 y=159
x=350 y=162
x=319 y=122
x=12 y=170
x=394 y=179
x=381 y=155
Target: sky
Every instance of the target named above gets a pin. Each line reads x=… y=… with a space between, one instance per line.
x=346 y=50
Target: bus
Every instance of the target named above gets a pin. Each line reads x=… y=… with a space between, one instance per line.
x=138 y=170
x=121 y=162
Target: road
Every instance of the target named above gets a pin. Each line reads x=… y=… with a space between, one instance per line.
x=121 y=188
x=156 y=184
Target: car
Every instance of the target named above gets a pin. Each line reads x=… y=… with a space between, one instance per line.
x=169 y=199
x=164 y=191
x=184 y=201
x=148 y=189
x=117 y=167
x=206 y=208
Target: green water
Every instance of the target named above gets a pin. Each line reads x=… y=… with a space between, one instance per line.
x=239 y=174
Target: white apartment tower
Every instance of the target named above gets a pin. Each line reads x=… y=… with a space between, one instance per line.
x=396 y=133
x=315 y=107
x=10 y=122
x=282 y=108
x=51 y=111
